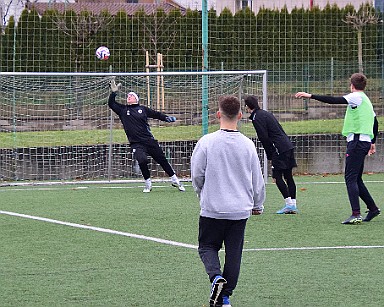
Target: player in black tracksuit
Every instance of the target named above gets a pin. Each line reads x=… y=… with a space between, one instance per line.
x=279 y=149
x=134 y=118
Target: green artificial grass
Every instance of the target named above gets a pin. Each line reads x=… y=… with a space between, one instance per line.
x=288 y=260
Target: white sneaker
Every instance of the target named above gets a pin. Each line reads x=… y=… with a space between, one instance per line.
x=148 y=187
x=147 y=190
x=179 y=186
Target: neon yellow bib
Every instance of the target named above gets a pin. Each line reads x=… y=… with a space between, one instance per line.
x=359 y=120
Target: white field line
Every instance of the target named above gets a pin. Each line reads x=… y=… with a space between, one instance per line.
x=36 y=188
x=80 y=184
x=99 y=229
x=173 y=243
x=311 y=248
x=66 y=188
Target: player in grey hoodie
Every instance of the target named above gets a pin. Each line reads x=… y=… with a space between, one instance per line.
x=227 y=178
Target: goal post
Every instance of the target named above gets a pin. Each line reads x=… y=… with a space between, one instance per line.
x=58 y=127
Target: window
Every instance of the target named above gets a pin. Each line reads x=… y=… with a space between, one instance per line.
x=242 y=4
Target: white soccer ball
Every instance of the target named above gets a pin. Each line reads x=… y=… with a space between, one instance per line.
x=102 y=53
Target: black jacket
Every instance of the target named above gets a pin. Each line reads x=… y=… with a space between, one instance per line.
x=270 y=133
x=135 y=119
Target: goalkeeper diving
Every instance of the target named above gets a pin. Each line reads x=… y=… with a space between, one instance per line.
x=134 y=118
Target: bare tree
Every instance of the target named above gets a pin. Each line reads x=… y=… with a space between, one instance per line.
x=11 y=7
x=81 y=30
x=6 y=11
x=359 y=20
x=161 y=34
x=156 y=30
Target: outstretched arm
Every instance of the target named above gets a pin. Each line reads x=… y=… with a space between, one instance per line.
x=113 y=104
x=159 y=115
x=326 y=99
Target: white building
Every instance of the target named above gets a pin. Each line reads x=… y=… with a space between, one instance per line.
x=255 y=5
x=14 y=8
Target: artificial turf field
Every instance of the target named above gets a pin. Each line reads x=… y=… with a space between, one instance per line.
x=112 y=245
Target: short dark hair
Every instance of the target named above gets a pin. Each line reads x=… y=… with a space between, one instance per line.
x=252 y=102
x=359 y=81
x=229 y=106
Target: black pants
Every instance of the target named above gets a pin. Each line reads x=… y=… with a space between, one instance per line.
x=153 y=149
x=212 y=234
x=285 y=182
x=354 y=166
x=283 y=164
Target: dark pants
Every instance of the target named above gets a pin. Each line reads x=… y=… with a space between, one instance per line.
x=354 y=166
x=283 y=164
x=212 y=234
x=286 y=185
x=153 y=149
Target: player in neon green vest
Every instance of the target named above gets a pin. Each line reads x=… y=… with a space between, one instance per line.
x=359 y=120
x=360 y=129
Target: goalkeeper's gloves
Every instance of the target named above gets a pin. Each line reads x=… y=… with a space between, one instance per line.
x=170 y=119
x=114 y=87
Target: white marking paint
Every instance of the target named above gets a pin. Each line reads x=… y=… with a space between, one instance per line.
x=99 y=229
x=174 y=243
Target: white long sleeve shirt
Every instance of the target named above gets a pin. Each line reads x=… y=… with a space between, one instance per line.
x=226 y=175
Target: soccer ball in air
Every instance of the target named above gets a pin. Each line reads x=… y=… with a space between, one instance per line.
x=103 y=53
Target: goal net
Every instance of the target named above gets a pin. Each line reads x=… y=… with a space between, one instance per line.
x=58 y=126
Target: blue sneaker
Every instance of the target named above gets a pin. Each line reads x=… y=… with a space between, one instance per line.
x=226 y=302
x=215 y=299
x=288 y=210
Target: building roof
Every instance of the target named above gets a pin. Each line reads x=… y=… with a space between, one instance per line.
x=112 y=8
